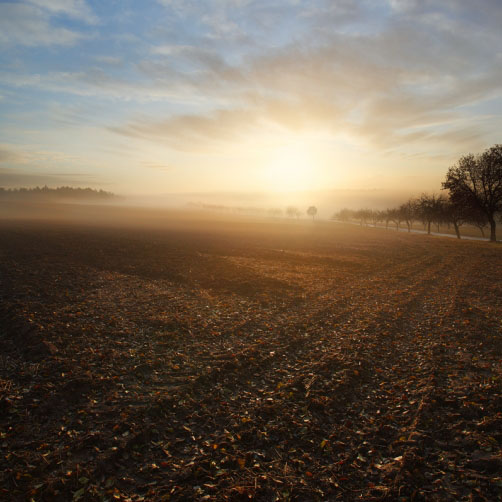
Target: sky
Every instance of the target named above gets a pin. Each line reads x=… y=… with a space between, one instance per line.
x=238 y=96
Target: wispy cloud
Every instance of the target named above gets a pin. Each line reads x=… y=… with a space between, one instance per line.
x=13 y=155
x=375 y=86
x=28 y=25
x=10 y=156
x=95 y=81
x=76 y=9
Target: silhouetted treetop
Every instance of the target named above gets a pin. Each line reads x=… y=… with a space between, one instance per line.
x=476 y=182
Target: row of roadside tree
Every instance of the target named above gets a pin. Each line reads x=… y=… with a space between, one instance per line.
x=429 y=210
x=474 y=196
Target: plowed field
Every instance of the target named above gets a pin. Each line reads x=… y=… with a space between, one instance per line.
x=241 y=360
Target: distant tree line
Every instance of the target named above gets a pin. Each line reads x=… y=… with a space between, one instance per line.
x=293 y=212
x=46 y=193
x=474 y=197
x=274 y=212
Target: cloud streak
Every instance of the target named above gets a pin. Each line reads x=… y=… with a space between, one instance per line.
x=76 y=9
x=375 y=86
x=31 y=23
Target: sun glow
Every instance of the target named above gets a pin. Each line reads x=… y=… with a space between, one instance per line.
x=291 y=167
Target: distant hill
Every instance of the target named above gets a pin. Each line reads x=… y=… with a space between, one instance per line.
x=55 y=194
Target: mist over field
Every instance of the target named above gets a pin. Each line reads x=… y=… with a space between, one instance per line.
x=328 y=202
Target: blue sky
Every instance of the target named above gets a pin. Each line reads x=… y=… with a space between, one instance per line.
x=236 y=95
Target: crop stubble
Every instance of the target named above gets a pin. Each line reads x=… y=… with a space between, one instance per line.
x=270 y=362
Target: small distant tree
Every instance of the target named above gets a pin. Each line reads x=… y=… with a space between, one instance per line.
x=312 y=211
x=293 y=212
x=429 y=210
x=456 y=215
x=388 y=213
x=476 y=181
x=344 y=215
x=363 y=215
x=408 y=212
x=441 y=212
x=275 y=212
x=424 y=212
x=393 y=215
x=377 y=217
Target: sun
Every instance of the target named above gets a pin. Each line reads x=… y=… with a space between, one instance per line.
x=291 y=167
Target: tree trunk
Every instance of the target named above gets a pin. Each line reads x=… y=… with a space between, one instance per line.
x=457 y=230
x=428 y=228
x=409 y=226
x=482 y=231
x=493 y=227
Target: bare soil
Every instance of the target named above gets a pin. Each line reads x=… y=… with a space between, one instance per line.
x=247 y=360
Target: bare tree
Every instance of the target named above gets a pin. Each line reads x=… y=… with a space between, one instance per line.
x=455 y=214
x=312 y=211
x=429 y=210
x=476 y=181
x=389 y=216
x=424 y=212
x=377 y=217
x=293 y=212
x=363 y=215
x=441 y=211
x=478 y=219
x=408 y=212
x=344 y=215
x=393 y=215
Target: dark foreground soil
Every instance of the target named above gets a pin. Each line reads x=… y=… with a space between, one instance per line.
x=257 y=361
